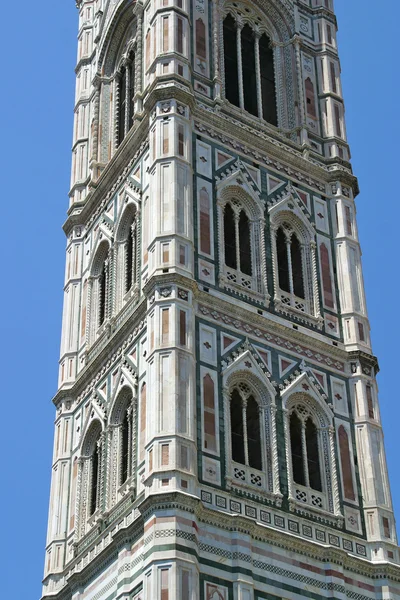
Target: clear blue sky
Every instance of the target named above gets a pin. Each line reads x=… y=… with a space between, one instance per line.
x=38 y=45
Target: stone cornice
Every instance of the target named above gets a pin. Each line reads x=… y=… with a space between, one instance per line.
x=110 y=353
x=231 y=523
x=220 y=121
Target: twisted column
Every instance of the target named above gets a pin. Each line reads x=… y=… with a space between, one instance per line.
x=315 y=290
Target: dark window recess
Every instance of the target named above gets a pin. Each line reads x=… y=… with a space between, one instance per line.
x=122 y=106
x=297 y=267
x=125 y=448
x=314 y=471
x=297 y=450
x=230 y=237
x=129 y=260
x=268 y=81
x=102 y=295
x=132 y=92
x=283 y=269
x=237 y=438
x=244 y=244
x=94 y=480
x=231 y=61
x=249 y=71
x=253 y=434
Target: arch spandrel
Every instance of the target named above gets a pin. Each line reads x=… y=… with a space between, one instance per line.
x=117 y=30
x=273 y=17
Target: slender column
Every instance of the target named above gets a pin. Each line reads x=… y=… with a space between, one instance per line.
x=237 y=242
x=125 y=278
x=275 y=460
x=239 y=59
x=88 y=311
x=78 y=500
x=290 y=267
x=95 y=131
x=264 y=260
x=289 y=462
x=315 y=290
x=129 y=413
x=138 y=10
x=275 y=264
x=217 y=57
x=258 y=73
x=228 y=442
x=138 y=248
x=107 y=288
x=335 y=483
x=133 y=434
x=133 y=233
x=127 y=95
x=102 y=460
x=297 y=42
x=305 y=458
x=116 y=108
x=244 y=417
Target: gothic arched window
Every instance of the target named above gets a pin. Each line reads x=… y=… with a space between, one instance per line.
x=94 y=495
x=294 y=266
x=125 y=427
x=124 y=109
x=238 y=242
x=98 y=293
x=245 y=430
x=126 y=255
x=249 y=70
x=290 y=263
x=305 y=452
x=102 y=294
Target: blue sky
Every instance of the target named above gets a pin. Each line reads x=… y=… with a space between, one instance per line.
x=38 y=45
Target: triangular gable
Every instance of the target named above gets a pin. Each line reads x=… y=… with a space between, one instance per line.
x=289 y=201
x=306 y=384
x=246 y=358
x=95 y=412
x=125 y=377
x=237 y=176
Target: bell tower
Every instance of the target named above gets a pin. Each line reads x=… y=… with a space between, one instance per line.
x=217 y=432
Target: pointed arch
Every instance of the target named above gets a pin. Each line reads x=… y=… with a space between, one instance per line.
x=241 y=234
x=263 y=29
x=309 y=436
x=99 y=290
x=127 y=240
x=296 y=289
x=250 y=431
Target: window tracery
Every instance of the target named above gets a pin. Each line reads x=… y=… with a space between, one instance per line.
x=127 y=255
x=294 y=264
x=99 y=287
x=249 y=68
x=250 y=439
x=310 y=452
x=122 y=459
x=241 y=230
